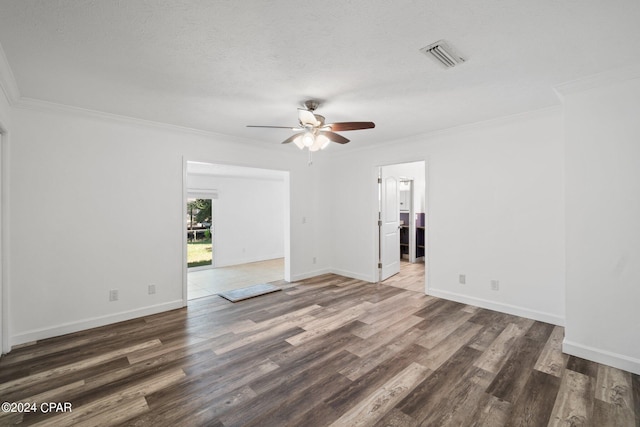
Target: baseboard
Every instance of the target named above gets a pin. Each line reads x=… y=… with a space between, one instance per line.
x=344 y=273
x=604 y=357
x=497 y=306
x=94 y=322
x=353 y=275
x=200 y=268
x=238 y=261
x=309 y=274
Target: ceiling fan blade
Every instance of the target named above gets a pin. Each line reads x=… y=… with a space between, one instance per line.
x=273 y=127
x=342 y=126
x=291 y=138
x=306 y=117
x=334 y=137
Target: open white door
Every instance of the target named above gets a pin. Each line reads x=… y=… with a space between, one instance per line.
x=390 y=226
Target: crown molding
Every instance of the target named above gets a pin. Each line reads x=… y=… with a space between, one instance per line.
x=594 y=81
x=495 y=121
x=467 y=127
x=48 y=107
x=10 y=89
x=7 y=79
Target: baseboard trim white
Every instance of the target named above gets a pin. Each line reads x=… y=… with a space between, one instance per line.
x=498 y=306
x=353 y=275
x=309 y=274
x=320 y=272
x=94 y=322
x=604 y=357
x=238 y=261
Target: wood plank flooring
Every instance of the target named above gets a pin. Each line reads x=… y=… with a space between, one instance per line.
x=327 y=351
x=411 y=277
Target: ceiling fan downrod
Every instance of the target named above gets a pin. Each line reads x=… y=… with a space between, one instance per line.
x=311 y=104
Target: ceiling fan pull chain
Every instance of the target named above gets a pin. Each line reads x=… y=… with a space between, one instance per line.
x=310 y=161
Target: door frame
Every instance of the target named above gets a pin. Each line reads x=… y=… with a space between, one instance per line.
x=183 y=203
x=375 y=253
x=5 y=319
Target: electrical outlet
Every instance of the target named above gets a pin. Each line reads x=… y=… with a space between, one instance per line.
x=495 y=285
x=113 y=295
x=314 y=260
x=462 y=279
x=152 y=289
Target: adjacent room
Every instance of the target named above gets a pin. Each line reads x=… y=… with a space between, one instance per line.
x=235 y=238
x=361 y=213
x=403 y=225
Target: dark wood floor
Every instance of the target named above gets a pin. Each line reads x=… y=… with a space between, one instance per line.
x=325 y=351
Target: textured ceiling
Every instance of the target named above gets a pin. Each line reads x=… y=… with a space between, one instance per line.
x=220 y=65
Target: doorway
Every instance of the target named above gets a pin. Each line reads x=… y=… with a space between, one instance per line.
x=199 y=232
x=402 y=228
x=244 y=237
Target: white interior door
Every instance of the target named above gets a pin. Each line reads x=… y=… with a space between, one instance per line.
x=390 y=220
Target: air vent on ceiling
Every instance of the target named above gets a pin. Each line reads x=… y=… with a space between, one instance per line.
x=441 y=51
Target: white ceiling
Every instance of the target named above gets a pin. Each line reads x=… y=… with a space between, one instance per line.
x=220 y=65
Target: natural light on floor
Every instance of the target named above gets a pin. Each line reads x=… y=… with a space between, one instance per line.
x=215 y=280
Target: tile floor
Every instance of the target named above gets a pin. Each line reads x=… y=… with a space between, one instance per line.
x=209 y=282
x=215 y=280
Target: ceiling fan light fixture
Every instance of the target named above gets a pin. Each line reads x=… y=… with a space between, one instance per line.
x=308 y=139
x=298 y=142
x=313 y=133
x=443 y=53
x=322 y=141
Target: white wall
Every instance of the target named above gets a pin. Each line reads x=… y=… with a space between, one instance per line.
x=248 y=217
x=97 y=204
x=602 y=224
x=495 y=212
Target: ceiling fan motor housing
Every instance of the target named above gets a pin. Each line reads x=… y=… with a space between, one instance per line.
x=311 y=104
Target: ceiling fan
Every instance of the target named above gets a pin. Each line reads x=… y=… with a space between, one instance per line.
x=313 y=132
